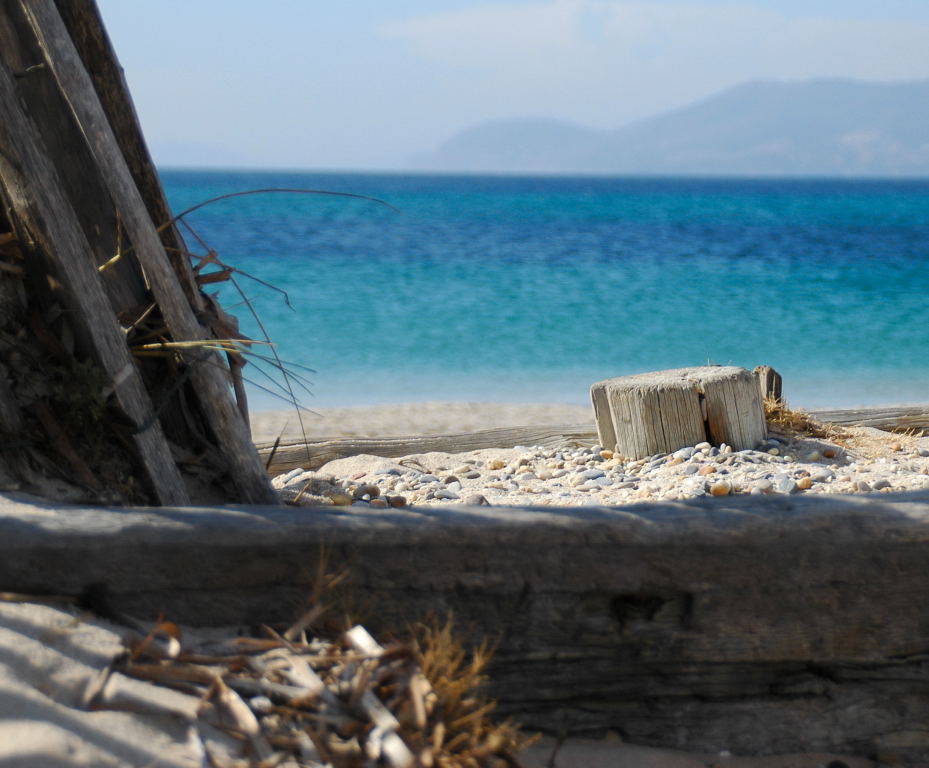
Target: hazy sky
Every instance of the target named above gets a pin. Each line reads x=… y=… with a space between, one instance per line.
x=368 y=83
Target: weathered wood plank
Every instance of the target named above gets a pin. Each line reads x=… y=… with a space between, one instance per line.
x=761 y=626
x=291 y=454
x=210 y=381
x=64 y=143
x=312 y=455
x=87 y=31
x=886 y=417
x=33 y=189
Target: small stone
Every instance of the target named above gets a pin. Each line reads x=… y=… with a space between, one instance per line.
x=445 y=493
x=454 y=487
x=761 y=486
x=496 y=464
x=721 y=488
x=702 y=446
x=387 y=471
x=476 y=500
x=450 y=479
x=378 y=503
x=896 y=447
x=829 y=453
x=805 y=483
x=471 y=475
x=462 y=469
x=822 y=475
x=924 y=452
x=396 y=501
x=675 y=460
x=606 y=454
x=774 y=451
x=592 y=474
x=862 y=486
x=367 y=489
x=813 y=456
x=691 y=469
x=339 y=498
x=880 y=485
x=683 y=453
x=707 y=469
x=785 y=484
x=281 y=480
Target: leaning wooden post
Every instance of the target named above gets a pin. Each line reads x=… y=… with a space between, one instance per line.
x=211 y=383
x=662 y=411
x=34 y=189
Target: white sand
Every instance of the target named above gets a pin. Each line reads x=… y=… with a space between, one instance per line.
x=432 y=418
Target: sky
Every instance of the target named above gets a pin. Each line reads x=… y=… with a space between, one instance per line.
x=367 y=84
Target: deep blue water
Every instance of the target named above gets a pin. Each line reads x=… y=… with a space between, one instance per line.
x=530 y=289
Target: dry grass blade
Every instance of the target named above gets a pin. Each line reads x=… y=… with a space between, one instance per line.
x=346 y=703
x=781 y=418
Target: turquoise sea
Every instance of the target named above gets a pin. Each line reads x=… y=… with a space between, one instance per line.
x=529 y=289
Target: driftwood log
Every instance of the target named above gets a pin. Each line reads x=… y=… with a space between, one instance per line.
x=661 y=411
x=761 y=626
x=293 y=454
x=312 y=454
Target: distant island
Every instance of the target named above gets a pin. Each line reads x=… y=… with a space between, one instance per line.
x=823 y=127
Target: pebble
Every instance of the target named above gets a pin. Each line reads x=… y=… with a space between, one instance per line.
x=785 y=484
x=721 y=488
x=568 y=475
x=762 y=486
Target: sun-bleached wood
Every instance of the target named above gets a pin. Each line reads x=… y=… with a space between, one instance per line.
x=661 y=411
x=294 y=454
x=770 y=383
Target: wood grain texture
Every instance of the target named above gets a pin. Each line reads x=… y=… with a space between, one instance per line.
x=312 y=455
x=661 y=411
x=87 y=31
x=34 y=192
x=762 y=626
x=210 y=382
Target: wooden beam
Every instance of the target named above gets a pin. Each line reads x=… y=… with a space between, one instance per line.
x=210 y=377
x=33 y=190
x=888 y=417
x=312 y=455
x=291 y=454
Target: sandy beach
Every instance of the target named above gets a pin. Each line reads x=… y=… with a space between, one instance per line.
x=428 y=418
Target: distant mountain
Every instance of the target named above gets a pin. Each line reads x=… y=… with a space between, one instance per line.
x=817 y=127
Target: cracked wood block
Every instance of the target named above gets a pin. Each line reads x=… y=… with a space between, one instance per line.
x=661 y=411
